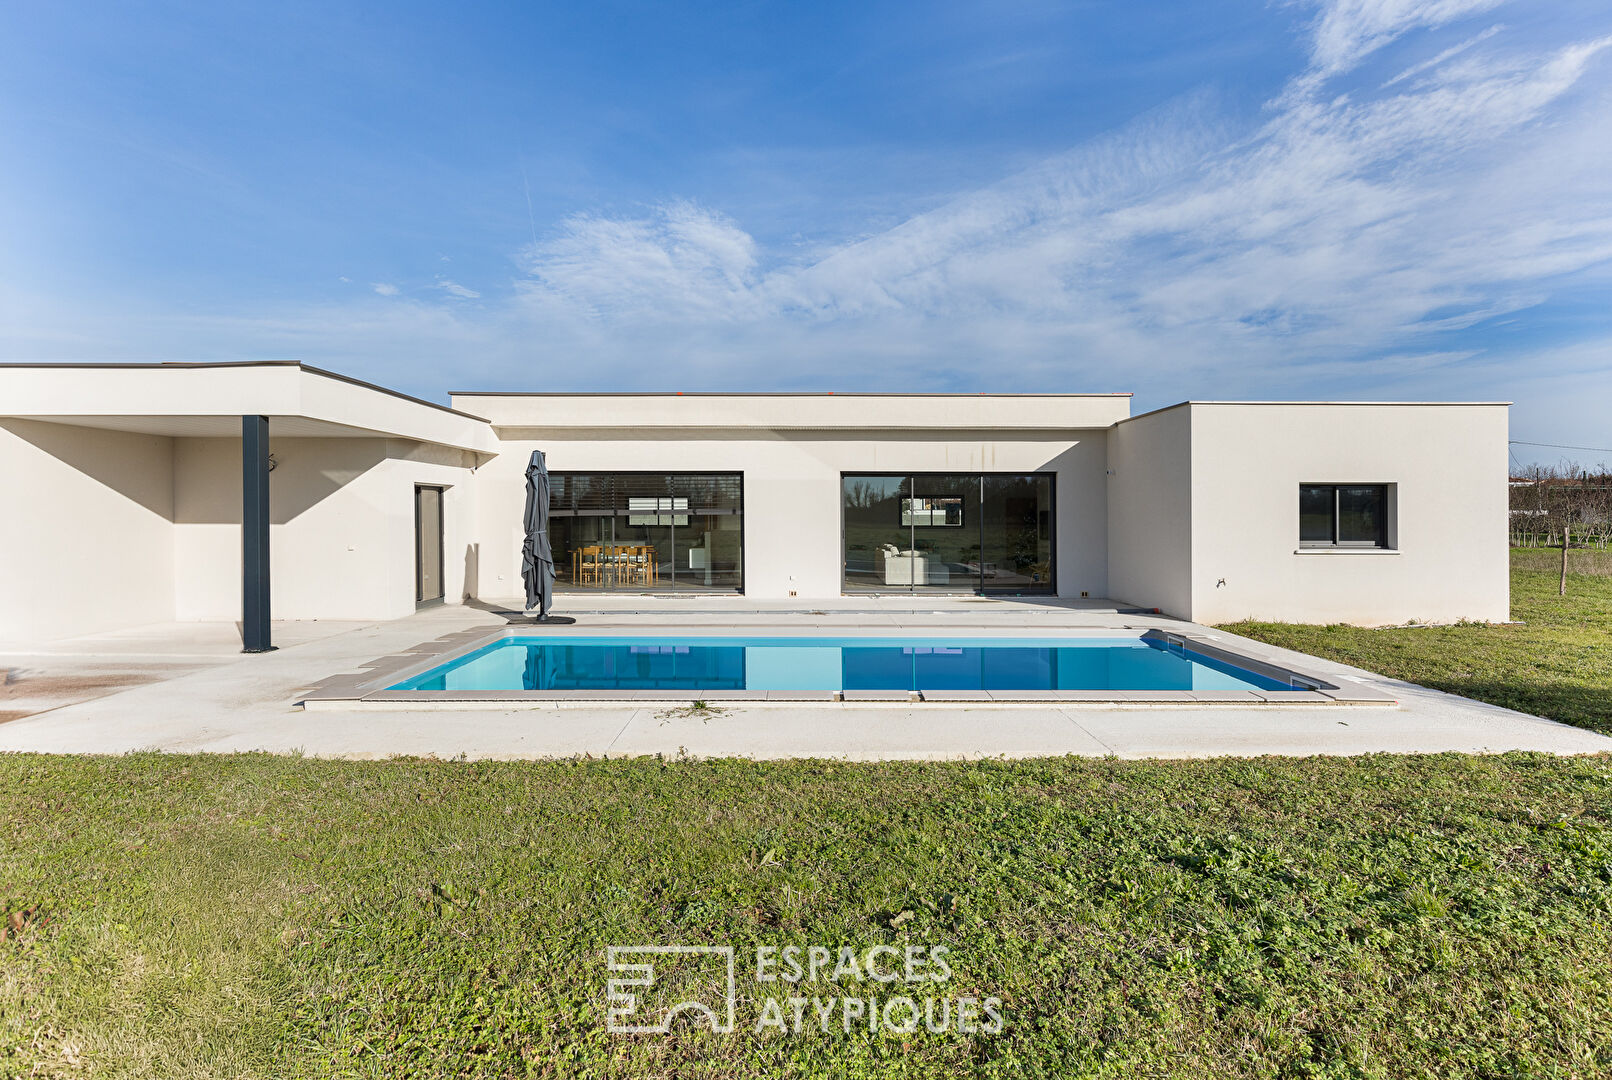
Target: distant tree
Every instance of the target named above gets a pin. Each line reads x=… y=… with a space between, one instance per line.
x=1563 y=506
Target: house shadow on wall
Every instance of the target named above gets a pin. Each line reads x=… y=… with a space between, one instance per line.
x=201 y=484
x=207 y=476
x=104 y=456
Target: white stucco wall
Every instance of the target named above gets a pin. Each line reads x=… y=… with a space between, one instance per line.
x=86 y=540
x=341 y=534
x=792 y=491
x=1448 y=465
x=123 y=490
x=1150 y=484
x=110 y=529
x=127 y=510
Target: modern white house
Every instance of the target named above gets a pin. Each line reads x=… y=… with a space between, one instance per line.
x=146 y=493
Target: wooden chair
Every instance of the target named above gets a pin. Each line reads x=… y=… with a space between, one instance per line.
x=637 y=565
x=624 y=564
x=592 y=564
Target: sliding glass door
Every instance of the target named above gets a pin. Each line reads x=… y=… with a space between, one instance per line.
x=1016 y=533
x=647 y=532
x=948 y=532
x=874 y=535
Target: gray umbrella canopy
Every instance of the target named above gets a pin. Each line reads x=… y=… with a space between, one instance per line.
x=537 y=558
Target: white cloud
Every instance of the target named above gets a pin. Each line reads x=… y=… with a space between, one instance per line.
x=1339 y=240
x=1435 y=61
x=1347 y=31
x=453 y=288
x=384 y=288
x=678 y=261
x=1341 y=226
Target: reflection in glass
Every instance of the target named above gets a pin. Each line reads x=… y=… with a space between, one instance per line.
x=878 y=550
x=935 y=511
x=1345 y=515
x=948 y=556
x=1361 y=515
x=948 y=533
x=709 y=547
x=1315 y=514
x=1018 y=533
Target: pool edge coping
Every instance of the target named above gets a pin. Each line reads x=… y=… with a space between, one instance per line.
x=368 y=687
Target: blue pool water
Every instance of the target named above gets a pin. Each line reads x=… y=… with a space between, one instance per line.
x=601 y=663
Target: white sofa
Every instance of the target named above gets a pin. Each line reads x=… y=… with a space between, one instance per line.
x=904 y=567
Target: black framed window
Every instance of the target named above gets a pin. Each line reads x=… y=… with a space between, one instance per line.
x=948 y=532
x=1343 y=515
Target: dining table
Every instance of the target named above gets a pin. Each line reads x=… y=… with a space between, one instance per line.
x=622 y=562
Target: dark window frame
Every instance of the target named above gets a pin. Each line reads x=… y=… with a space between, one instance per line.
x=1383 y=539
x=979 y=588
x=614 y=511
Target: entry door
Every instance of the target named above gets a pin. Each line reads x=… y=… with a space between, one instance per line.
x=427 y=544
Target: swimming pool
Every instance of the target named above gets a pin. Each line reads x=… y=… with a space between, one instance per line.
x=525 y=663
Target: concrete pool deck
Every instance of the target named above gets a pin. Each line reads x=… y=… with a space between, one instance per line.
x=187 y=688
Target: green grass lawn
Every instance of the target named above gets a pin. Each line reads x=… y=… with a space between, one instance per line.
x=1558 y=663
x=258 y=916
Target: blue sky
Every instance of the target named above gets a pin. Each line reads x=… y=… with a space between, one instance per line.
x=1373 y=199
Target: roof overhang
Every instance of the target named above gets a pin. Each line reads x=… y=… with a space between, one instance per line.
x=208 y=400
x=867 y=414
x=1325 y=405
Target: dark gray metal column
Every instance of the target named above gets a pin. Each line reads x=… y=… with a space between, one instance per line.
x=255 y=534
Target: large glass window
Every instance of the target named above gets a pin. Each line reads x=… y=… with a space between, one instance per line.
x=945 y=533
x=1343 y=515
x=1017 y=528
x=874 y=535
x=647 y=532
x=948 y=532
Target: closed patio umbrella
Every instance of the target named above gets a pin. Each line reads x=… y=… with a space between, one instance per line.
x=537 y=558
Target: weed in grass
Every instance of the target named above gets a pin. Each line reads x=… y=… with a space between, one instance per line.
x=694 y=710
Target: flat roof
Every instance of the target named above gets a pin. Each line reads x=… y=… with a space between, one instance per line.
x=784 y=411
x=780 y=394
x=108 y=405
x=208 y=399
x=167 y=365
x=1341 y=404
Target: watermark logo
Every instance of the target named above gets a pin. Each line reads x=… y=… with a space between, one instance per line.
x=881 y=988
x=668 y=981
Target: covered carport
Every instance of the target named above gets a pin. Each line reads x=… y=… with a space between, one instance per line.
x=151 y=493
